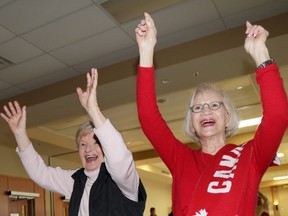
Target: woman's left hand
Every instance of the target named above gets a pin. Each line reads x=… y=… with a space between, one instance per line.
x=255 y=42
x=88 y=98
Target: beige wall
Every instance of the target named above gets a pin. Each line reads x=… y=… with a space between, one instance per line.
x=267 y=191
x=10 y=163
x=277 y=193
x=158 y=194
x=280 y=194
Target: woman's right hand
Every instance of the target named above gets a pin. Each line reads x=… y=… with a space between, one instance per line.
x=15 y=116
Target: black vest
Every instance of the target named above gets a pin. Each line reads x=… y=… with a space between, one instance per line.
x=106 y=199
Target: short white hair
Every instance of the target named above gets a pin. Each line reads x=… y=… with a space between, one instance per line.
x=233 y=123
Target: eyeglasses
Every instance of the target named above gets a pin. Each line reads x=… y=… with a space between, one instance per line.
x=214 y=105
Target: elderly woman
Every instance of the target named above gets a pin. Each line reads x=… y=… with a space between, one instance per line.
x=220 y=178
x=108 y=183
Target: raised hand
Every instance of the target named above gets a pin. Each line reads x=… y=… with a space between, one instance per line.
x=15 y=116
x=146 y=32
x=146 y=38
x=88 y=98
x=255 y=42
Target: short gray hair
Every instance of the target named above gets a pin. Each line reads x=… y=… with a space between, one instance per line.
x=85 y=129
x=233 y=123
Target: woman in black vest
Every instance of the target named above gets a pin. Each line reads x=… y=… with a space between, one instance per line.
x=108 y=184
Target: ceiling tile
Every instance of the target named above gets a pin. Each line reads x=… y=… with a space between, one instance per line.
x=168 y=21
x=189 y=34
x=18 y=50
x=4 y=85
x=75 y=27
x=9 y=92
x=5 y=2
x=30 y=70
x=101 y=44
x=49 y=79
x=23 y=16
x=191 y=15
x=228 y=7
x=5 y=34
x=110 y=59
x=122 y=13
x=256 y=14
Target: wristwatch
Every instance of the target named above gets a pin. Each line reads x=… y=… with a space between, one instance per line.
x=264 y=64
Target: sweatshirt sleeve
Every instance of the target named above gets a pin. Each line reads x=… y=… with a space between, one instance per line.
x=275 y=115
x=53 y=179
x=118 y=160
x=153 y=124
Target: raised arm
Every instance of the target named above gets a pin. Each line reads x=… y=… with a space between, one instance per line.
x=273 y=97
x=88 y=99
x=54 y=179
x=153 y=124
x=118 y=158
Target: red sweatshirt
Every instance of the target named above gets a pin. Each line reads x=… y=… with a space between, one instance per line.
x=226 y=183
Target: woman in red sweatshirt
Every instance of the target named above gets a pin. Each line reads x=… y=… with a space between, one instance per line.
x=220 y=178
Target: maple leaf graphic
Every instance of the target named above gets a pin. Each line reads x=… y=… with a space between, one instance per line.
x=202 y=212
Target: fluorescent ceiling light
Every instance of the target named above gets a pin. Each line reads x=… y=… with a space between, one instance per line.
x=65 y=199
x=280 y=154
x=280 y=178
x=22 y=195
x=250 y=122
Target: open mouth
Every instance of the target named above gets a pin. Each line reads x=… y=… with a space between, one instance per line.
x=208 y=122
x=90 y=158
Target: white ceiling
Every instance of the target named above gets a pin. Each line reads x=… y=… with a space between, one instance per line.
x=47 y=46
